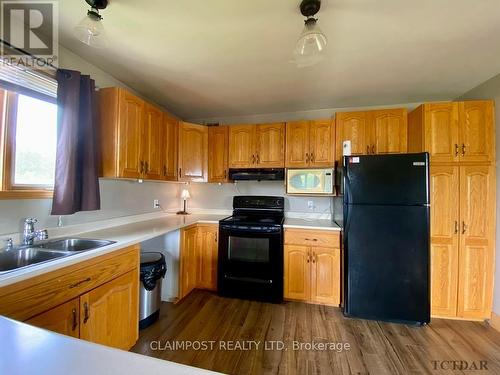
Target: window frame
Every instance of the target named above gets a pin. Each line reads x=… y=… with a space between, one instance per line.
x=8 y=122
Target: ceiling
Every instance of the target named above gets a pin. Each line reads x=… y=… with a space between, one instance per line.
x=217 y=58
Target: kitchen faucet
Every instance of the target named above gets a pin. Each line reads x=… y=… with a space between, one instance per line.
x=30 y=234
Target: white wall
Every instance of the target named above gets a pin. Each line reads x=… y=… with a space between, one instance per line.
x=491 y=90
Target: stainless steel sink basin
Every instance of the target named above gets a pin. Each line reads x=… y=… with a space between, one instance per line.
x=74 y=244
x=18 y=258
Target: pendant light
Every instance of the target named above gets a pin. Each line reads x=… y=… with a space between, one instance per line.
x=90 y=29
x=311 y=44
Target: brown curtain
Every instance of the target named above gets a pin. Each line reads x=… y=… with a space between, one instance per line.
x=76 y=186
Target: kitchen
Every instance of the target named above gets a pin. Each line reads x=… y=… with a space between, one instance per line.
x=278 y=255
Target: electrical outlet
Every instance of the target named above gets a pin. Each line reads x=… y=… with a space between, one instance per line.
x=310 y=205
x=156 y=203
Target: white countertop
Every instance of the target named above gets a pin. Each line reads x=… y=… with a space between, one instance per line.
x=124 y=235
x=27 y=350
x=320 y=224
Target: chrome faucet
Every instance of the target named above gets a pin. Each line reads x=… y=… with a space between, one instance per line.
x=30 y=234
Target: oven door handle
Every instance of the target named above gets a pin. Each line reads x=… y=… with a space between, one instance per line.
x=248 y=279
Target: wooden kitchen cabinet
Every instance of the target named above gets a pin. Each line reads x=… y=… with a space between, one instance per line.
x=241 y=146
x=193 y=152
x=382 y=131
x=152 y=149
x=310 y=144
x=312 y=266
x=189 y=261
x=209 y=248
x=63 y=319
x=103 y=290
x=170 y=139
x=109 y=314
x=462 y=240
x=136 y=138
x=257 y=146
x=218 y=145
x=453 y=131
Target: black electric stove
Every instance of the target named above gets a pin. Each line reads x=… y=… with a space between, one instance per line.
x=250 y=261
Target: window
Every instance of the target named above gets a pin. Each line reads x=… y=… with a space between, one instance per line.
x=29 y=134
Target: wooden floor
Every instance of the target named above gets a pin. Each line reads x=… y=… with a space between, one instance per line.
x=375 y=347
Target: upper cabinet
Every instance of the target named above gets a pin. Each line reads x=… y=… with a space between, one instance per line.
x=133 y=136
x=309 y=144
x=170 y=139
x=193 y=152
x=218 y=144
x=373 y=132
x=453 y=131
x=257 y=146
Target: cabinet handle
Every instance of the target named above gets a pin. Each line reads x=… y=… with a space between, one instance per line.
x=456 y=149
x=165 y=170
x=307 y=157
x=215 y=237
x=464 y=227
x=314 y=258
x=373 y=149
x=80 y=283
x=86 y=312
x=180 y=170
x=312 y=157
x=225 y=174
x=456 y=226
x=253 y=159
x=308 y=257
x=258 y=159
x=463 y=149
x=146 y=167
x=142 y=167
x=311 y=239
x=367 y=149
x=75 y=322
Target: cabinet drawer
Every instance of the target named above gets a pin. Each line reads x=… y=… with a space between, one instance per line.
x=30 y=297
x=308 y=237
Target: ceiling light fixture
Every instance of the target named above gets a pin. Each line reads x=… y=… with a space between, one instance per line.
x=312 y=42
x=90 y=30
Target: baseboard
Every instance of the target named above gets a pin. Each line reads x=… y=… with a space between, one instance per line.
x=495 y=321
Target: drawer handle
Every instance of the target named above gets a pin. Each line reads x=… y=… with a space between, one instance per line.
x=86 y=310
x=80 y=283
x=311 y=239
x=75 y=321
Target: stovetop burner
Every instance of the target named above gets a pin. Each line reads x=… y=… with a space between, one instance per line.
x=254 y=219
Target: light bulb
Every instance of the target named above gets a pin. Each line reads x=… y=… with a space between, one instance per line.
x=91 y=31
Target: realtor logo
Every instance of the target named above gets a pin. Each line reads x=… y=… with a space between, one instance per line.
x=30 y=31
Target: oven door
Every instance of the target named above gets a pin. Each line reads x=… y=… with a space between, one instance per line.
x=248 y=256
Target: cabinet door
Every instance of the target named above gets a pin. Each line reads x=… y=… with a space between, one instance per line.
x=477 y=135
x=109 y=314
x=218 y=143
x=193 y=152
x=321 y=143
x=325 y=276
x=352 y=126
x=131 y=115
x=389 y=131
x=170 y=138
x=270 y=145
x=152 y=151
x=241 y=146
x=189 y=264
x=208 y=256
x=441 y=131
x=297 y=272
x=477 y=205
x=297 y=144
x=63 y=319
x=444 y=185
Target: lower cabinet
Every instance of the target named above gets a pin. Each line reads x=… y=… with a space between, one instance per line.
x=96 y=300
x=63 y=319
x=198 y=258
x=312 y=273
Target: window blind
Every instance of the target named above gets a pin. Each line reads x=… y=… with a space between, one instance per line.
x=27 y=81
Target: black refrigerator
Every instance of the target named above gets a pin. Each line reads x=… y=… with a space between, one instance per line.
x=387 y=237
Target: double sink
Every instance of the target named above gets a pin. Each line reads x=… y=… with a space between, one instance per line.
x=24 y=256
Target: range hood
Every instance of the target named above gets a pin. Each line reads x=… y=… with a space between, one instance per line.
x=264 y=174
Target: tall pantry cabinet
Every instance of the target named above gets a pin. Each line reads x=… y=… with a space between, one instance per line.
x=459 y=137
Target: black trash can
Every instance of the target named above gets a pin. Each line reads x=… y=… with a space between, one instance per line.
x=153 y=269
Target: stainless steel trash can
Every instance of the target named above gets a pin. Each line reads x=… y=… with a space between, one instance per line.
x=153 y=269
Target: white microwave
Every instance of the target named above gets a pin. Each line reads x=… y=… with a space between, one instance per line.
x=310 y=181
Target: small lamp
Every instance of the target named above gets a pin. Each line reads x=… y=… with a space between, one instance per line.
x=184 y=196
